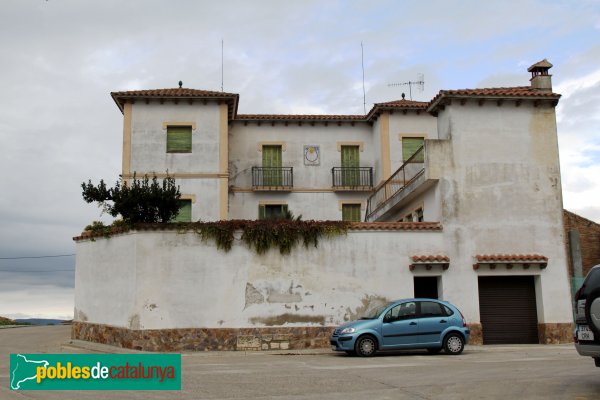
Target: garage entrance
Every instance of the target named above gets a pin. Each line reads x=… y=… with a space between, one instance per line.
x=508 y=309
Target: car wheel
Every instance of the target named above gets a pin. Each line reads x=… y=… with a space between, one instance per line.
x=454 y=344
x=597 y=361
x=365 y=346
x=592 y=311
x=434 y=350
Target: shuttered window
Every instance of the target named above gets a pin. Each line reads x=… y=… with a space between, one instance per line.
x=271 y=162
x=410 y=146
x=350 y=164
x=179 y=139
x=272 y=211
x=351 y=212
x=185 y=211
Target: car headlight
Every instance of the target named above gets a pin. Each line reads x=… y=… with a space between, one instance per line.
x=348 y=330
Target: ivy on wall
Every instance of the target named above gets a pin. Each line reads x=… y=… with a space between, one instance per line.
x=260 y=235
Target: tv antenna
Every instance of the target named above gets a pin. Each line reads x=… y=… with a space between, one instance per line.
x=419 y=84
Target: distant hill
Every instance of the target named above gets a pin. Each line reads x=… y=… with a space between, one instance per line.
x=39 y=321
x=6 y=321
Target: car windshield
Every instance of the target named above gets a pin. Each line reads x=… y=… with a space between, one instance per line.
x=375 y=312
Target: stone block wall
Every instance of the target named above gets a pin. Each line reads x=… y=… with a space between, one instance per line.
x=589 y=237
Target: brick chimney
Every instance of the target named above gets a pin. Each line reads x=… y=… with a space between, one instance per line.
x=540 y=79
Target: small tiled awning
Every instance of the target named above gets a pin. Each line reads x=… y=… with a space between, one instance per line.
x=430 y=261
x=510 y=260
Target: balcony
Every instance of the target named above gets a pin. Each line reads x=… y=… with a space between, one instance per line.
x=352 y=178
x=272 y=179
x=403 y=186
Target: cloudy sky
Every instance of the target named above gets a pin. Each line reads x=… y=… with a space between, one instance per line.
x=60 y=60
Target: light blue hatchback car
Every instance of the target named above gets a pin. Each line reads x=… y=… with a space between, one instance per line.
x=404 y=324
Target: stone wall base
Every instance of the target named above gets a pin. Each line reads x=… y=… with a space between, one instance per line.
x=555 y=333
x=476 y=334
x=204 y=339
x=253 y=339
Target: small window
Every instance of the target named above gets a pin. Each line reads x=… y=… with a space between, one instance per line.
x=272 y=211
x=431 y=309
x=185 y=211
x=179 y=139
x=410 y=145
x=418 y=215
x=351 y=212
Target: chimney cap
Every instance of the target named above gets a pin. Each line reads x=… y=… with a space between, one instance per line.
x=540 y=65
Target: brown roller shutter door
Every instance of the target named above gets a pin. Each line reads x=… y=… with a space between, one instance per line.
x=508 y=309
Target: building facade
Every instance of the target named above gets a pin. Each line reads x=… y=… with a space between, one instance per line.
x=457 y=198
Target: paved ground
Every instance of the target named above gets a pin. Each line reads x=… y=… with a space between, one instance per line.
x=481 y=372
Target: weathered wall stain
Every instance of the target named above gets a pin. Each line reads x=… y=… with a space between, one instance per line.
x=368 y=303
x=134 y=321
x=253 y=296
x=282 y=319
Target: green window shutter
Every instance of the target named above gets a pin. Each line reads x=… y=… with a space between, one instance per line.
x=185 y=211
x=271 y=162
x=262 y=211
x=271 y=156
x=179 y=139
x=284 y=210
x=351 y=212
x=350 y=164
x=350 y=157
x=410 y=146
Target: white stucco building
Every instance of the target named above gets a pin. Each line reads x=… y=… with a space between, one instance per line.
x=460 y=199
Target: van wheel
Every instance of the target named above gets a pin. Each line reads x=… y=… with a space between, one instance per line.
x=365 y=346
x=454 y=344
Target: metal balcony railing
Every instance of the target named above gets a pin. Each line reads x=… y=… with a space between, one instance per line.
x=352 y=177
x=272 y=177
x=404 y=176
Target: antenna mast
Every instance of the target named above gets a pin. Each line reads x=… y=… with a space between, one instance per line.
x=362 y=60
x=419 y=83
x=221 y=65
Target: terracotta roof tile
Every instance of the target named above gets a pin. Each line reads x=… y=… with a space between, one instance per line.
x=396 y=226
x=173 y=92
x=511 y=258
x=431 y=259
x=176 y=93
x=299 y=117
x=517 y=92
x=408 y=104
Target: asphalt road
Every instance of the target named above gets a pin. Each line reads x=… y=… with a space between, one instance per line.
x=481 y=372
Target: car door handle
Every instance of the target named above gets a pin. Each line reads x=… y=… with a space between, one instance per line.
x=413 y=323
x=443 y=321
